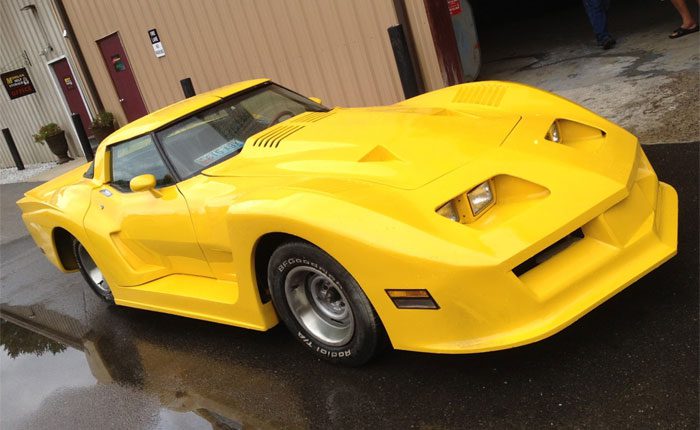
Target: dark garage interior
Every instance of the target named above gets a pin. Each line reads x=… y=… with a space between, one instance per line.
x=644 y=83
x=512 y=28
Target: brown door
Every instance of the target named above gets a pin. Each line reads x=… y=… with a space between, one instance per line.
x=71 y=92
x=123 y=78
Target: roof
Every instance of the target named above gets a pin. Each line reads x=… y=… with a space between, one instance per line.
x=169 y=113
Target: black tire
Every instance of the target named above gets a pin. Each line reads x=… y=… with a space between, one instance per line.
x=317 y=271
x=86 y=264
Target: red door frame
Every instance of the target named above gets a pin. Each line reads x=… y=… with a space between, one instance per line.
x=445 y=41
x=72 y=92
x=122 y=75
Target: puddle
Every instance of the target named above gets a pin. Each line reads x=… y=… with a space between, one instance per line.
x=47 y=384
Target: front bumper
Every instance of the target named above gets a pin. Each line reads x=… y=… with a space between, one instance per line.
x=492 y=308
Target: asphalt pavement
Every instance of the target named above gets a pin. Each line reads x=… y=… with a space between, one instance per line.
x=70 y=361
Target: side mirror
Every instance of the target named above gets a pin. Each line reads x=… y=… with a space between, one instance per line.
x=145 y=182
x=316 y=100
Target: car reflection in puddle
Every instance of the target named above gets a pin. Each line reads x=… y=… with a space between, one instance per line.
x=51 y=380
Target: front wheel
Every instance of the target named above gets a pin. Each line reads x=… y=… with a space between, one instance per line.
x=92 y=274
x=323 y=305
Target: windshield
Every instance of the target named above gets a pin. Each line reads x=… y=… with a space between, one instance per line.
x=219 y=132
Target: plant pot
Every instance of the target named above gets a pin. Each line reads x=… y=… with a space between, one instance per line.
x=100 y=133
x=59 y=146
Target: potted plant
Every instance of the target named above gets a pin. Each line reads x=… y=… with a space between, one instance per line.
x=55 y=137
x=102 y=126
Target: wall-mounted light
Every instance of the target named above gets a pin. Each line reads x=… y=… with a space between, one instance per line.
x=35 y=14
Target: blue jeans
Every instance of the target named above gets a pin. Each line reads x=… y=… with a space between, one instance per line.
x=597 y=11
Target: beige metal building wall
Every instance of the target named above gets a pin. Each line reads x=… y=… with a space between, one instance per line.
x=425 y=47
x=337 y=50
x=20 y=33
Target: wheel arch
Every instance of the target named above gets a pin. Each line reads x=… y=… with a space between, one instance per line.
x=63 y=244
x=262 y=251
x=361 y=239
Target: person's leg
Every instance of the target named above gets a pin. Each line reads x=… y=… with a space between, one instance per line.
x=596 y=10
x=684 y=12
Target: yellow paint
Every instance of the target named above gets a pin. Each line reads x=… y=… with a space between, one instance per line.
x=145 y=182
x=363 y=184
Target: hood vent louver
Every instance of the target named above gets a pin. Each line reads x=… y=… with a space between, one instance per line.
x=480 y=94
x=273 y=138
x=312 y=116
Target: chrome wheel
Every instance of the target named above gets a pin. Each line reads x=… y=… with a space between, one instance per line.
x=92 y=271
x=319 y=305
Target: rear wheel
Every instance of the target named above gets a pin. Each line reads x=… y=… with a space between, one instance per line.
x=323 y=305
x=92 y=274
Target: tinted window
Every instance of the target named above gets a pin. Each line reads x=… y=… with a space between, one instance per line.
x=218 y=133
x=137 y=157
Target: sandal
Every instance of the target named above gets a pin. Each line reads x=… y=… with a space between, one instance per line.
x=680 y=32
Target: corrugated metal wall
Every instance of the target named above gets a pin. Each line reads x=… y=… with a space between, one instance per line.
x=337 y=50
x=20 y=33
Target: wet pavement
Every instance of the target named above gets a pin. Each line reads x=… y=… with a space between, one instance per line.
x=69 y=361
x=647 y=83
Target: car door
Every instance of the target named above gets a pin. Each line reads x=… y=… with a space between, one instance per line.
x=145 y=235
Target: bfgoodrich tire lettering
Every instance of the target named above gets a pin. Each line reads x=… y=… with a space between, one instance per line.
x=323 y=305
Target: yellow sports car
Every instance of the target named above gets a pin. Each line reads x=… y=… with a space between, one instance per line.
x=473 y=218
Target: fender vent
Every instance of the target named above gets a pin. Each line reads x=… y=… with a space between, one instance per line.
x=311 y=116
x=273 y=138
x=480 y=94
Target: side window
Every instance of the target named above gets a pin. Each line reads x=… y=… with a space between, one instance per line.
x=138 y=157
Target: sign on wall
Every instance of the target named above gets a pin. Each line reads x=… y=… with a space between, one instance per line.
x=156 y=43
x=118 y=63
x=17 y=83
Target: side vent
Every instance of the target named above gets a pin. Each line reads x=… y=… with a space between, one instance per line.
x=480 y=94
x=311 y=116
x=273 y=138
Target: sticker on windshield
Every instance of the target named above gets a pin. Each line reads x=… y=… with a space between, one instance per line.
x=218 y=153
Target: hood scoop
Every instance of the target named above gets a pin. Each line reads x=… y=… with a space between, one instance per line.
x=379 y=153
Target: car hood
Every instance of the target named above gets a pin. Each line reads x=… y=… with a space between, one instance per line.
x=399 y=146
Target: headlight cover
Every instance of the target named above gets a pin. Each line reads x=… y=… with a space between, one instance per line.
x=480 y=198
x=574 y=134
x=467 y=207
x=553 y=133
x=449 y=211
